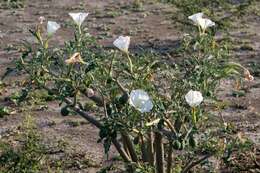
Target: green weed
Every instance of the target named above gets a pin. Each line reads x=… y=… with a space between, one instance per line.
x=25 y=158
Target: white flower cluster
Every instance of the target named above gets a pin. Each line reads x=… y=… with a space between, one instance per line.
x=52 y=26
x=139 y=99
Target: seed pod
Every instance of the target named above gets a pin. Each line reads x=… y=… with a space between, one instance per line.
x=136 y=140
x=192 y=142
x=177 y=145
x=64 y=111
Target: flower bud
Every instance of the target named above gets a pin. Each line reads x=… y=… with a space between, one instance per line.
x=90 y=92
x=41 y=19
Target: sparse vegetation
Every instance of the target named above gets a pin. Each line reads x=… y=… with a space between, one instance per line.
x=26 y=155
x=12 y=3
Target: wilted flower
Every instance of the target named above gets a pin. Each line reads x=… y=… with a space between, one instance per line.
x=41 y=19
x=78 y=17
x=75 y=58
x=52 y=27
x=248 y=76
x=122 y=43
x=203 y=23
x=193 y=98
x=154 y=122
x=140 y=100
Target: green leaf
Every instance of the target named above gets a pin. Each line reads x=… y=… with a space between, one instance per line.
x=4 y=111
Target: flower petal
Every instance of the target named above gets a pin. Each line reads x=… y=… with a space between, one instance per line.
x=122 y=43
x=52 y=27
x=78 y=18
x=140 y=100
x=195 y=17
x=194 y=98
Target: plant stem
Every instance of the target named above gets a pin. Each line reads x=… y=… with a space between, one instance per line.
x=159 y=152
x=121 y=151
x=190 y=165
x=150 y=148
x=130 y=63
x=93 y=121
x=96 y=123
x=143 y=149
x=125 y=145
x=130 y=146
x=111 y=65
x=169 y=159
x=194 y=118
x=95 y=98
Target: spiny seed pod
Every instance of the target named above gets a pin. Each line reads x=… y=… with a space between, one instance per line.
x=192 y=142
x=177 y=145
x=64 y=111
x=124 y=98
x=136 y=140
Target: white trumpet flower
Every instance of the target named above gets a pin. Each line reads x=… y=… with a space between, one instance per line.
x=205 y=23
x=122 y=43
x=194 y=98
x=196 y=17
x=52 y=27
x=140 y=100
x=78 y=18
x=201 y=22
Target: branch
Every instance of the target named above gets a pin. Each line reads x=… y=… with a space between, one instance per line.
x=121 y=151
x=144 y=149
x=95 y=98
x=159 y=152
x=130 y=146
x=169 y=159
x=150 y=148
x=169 y=134
x=99 y=125
x=95 y=122
x=192 y=164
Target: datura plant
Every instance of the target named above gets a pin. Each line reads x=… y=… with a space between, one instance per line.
x=149 y=110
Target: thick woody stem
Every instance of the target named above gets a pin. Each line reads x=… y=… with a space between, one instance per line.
x=121 y=151
x=95 y=98
x=150 y=148
x=85 y=115
x=125 y=146
x=169 y=159
x=159 y=152
x=93 y=121
x=130 y=146
x=144 y=149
